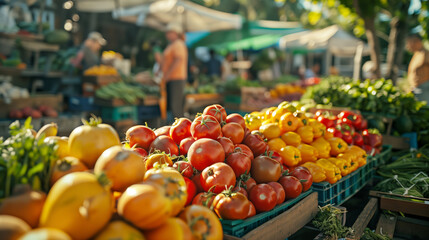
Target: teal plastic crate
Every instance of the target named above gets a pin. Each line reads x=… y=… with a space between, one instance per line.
x=239 y=228
x=344 y=189
x=383 y=157
x=119 y=113
x=232 y=99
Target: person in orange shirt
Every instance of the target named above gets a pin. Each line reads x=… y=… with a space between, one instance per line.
x=418 y=69
x=174 y=69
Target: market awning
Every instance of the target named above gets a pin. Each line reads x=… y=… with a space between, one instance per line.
x=253 y=35
x=192 y=16
x=333 y=38
x=102 y=6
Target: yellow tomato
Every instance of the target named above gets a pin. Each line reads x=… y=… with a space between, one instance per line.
x=45 y=234
x=288 y=122
x=89 y=141
x=276 y=144
x=78 y=204
x=119 y=230
x=270 y=131
x=63 y=145
x=252 y=122
x=203 y=222
x=268 y=112
x=173 y=228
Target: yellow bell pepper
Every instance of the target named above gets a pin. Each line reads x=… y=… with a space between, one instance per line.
x=359 y=152
x=301 y=115
x=338 y=146
x=291 y=156
x=333 y=173
x=276 y=144
x=341 y=164
x=323 y=147
x=291 y=138
x=352 y=160
x=268 y=112
x=288 y=122
x=328 y=135
x=317 y=172
x=278 y=113
x=308 y=152
x=318 y=128
x=306 y=133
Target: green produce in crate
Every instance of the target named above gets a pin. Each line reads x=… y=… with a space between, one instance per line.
x=328 y=222
x=25 y=159
x=128 y=92
x=403 y=124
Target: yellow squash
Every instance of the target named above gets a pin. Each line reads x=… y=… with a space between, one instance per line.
x=79 y=204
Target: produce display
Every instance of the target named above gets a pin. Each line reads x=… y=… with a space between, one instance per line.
x=283 y=89
x=316 y=144
x=101 y=70
x=120 y=90
x=35 y=113
x=408 y=175
x=378 y=98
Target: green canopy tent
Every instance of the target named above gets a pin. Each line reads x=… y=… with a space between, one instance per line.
x=254 y=35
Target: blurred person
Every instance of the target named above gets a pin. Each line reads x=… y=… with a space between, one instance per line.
x=174 y=68
x=418 y=69
x=89 y=54
x=227 y=73
x=213 y=65
x=313 y=71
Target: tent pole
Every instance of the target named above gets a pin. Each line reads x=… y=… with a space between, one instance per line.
x=357 y=61
x=328 y=61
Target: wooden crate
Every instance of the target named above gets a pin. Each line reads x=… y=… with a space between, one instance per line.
x=91 y=83
x=399 y=203
x=50 y=100
x=285 y=224
x=198 y=101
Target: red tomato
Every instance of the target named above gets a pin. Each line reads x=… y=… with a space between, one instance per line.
x=237 y=118
x=206 y=126
x=264 y=169
x=264 y=197
x=240 y=189
x=231 y=206
x=185 y=144
x=143 y=152
x=204 y=199
x=363 y=125
x=191 y=189
x=285 y=169
x=281 y=195
x=180 y=130
x=165 y=144
x=141 y=136
x=256 y=144
x=304 y=176
x=227 y=145
x=246 y=182
x=344 y=126
x=252 y=210
x=291 y=185
x=196 y=180
x=244 y=149
x=276 y=156
x=217 y=177
x=216 y=111
x=165 y=130
x=239 y=162
x=234 y=132
x=205 y=152
x=184 y=168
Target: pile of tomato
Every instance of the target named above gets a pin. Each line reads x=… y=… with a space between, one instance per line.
x=225 y=166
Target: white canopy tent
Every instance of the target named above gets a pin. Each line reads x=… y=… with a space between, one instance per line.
x=334 y=40
x=193 y=17
x=103 y=6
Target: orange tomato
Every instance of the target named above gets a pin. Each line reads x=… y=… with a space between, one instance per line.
x=119 y=230
x=65 y=166
x=203 y=222
x=123 y=167
x=173 y=228
x=145 y=205
x=167 y=172
x=161 y=158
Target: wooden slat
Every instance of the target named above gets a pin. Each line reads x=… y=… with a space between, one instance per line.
x=386 y=225
x=364 y=217
x=412 y=228
x=288 y=222
x=379 y=194
x=409 y=207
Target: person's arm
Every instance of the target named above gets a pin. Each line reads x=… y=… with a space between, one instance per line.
x=77 y=60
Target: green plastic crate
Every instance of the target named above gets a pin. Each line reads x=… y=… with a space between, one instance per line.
x=232 y=99
x=239 y=228
x=119 y=113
